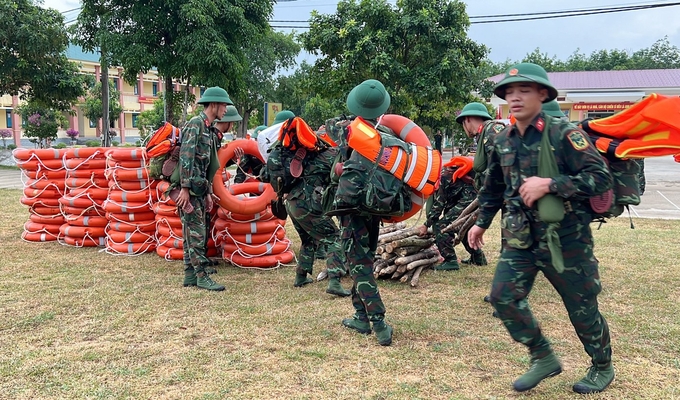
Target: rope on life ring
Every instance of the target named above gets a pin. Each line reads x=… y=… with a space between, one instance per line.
x=228 y=199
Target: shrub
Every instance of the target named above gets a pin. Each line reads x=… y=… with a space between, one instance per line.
x=11 y=146
x=60 y=145
x=92 y=143
x=72 y=133
x=114 y=144
x=5 y=134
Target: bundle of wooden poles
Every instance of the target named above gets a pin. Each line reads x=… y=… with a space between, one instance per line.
x=464 y=222
x=403 y=255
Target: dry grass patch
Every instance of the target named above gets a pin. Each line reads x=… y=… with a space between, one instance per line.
x=78 y=323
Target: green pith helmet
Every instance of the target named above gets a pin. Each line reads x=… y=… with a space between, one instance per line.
x=258 y=130
x=526 y=72
x=552 y=108
x=215 y=94
x=369 y=99
x=473 y=110
x=231 y=115
x=283 y=115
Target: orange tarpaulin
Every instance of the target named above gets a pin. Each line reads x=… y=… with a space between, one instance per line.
x=464 y=165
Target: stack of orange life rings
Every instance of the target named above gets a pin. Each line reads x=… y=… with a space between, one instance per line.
x=43 y=176
x=169 y=228
x=250 y=235
x=132 y=226
x=86 y=190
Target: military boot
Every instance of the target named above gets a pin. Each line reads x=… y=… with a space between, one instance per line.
x=302 y=280
x=334 y=287
x=383 y=332
x=203 y=281
x=447 y=266
x=596 y=380
x=359 y=324
x=540 y=369
x=189 y=277
x=476 y=259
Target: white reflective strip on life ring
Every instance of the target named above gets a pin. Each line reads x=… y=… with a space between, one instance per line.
x=412 y=164
x=422 y=183
x=406 y=129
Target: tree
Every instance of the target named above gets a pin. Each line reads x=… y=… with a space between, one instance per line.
x=266 y=54
x=194 y=41
x=93 y=107
x=662 y=55
x=150 y=120
x=419 y=49
x=33 y=61
x=42 y=123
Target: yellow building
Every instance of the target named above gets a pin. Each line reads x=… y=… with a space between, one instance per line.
x=133 y=99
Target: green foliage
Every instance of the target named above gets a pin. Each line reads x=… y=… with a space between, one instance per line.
x=42 y=123
x=418 y=48
x=93 y=143
x=92 y=108
x=60 y=145
x=318 y=109
x=33 y=62
x=11 y=146
x=151 y=119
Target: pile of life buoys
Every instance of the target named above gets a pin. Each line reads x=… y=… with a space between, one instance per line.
x=169 y=234
x=86 y=190
x=43 y=176
x=132 y=226
x=250 y=235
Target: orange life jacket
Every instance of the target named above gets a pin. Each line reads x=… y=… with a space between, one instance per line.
x=296 y=133
x=162 y=140
x=464 y=165
x=419 y=166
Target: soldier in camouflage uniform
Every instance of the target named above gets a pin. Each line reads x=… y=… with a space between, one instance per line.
x=197 y=166
x=368 y=100
x=450 y=199
x=572 y=269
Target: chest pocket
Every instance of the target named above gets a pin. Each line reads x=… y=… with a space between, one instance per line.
x=203 y=146
x=507 y=157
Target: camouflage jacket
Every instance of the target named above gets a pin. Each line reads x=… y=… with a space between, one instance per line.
x=316 y=174
x=198 y=148
x=583 y=172
x=487 y=132
x=450 y=196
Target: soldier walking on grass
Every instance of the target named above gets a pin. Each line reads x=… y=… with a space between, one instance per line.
x=547 y=226
x=197 y=166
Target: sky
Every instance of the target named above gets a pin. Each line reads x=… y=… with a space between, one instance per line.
x=561 y=37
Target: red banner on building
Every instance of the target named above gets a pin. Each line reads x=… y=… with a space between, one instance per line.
x=601 y=106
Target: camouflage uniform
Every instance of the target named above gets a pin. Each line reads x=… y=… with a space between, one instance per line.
x=641 y=176
x=486 y=132
x=199 y=145
x=359 y=240
x=451 y=199
x=583 y=173
x=247 y=165
x=303 y=205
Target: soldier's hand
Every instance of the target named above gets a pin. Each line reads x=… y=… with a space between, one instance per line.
x=182 y=198
x=422 y=230
x=533 y=189
x=238 y=153
x=476 y=237
x=209 y=203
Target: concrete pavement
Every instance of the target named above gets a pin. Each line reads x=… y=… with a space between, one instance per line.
x=661 y=198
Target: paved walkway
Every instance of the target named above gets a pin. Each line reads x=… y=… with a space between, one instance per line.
x=661 y=198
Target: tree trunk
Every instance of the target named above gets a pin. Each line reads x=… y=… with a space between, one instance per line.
x=414 y=257
x=420 y=263
x=392 y=228
x=416 y=276
x=105 y=97
x=169 y=94
x=409 y=241
x=402 y=234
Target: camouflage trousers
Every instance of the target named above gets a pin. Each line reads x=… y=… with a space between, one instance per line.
x=195 y=232
x=316 y=232
x=578 y=286
x=444 y=241
x=359 y=241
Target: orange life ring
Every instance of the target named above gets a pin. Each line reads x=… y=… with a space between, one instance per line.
x=143 y=196
x=258 y=250
x=165 y=230
x=111 y=163
x=88 y=220
x=128 y=237
x=126 y=154
x=45 y=183
x=170 y=253
x=45 y=173
x=84 y=152
x=38 y=164
x=39 y=201
x=84 y=163
x=230 y=216
x=85 y=241
x=129 y=248
x=93 y=192
x=33 y=227
x=165 y=209
x=48 y=220
x=174 y=222
x=238 y=228
x=259 y=262
x=228 y=199
x=139 y=217
x=92 y=211
x=172 y=242
x=252 y=239
x=42 y=193
x=131 y=174
x=87 y=173
x=83 y=201
x=82 y=231
x=132 y=185
x=127 y=206
x=77 y=183
x=45 y=211
x=38 y=236
x=148 y=227
x=43 y=154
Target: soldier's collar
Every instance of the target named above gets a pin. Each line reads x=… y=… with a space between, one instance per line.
x=539 y=122
x=205 y=119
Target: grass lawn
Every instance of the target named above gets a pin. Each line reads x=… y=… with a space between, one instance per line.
x=79 y=323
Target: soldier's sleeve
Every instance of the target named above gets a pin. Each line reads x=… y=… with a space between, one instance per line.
x=491 y=192
x=587 y=174
x=187 y=152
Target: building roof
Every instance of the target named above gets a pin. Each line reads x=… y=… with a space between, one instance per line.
x=628 y=79
x=74 y=52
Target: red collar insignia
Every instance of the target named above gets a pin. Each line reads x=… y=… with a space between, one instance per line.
x=481 y=127
x=540 y=124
